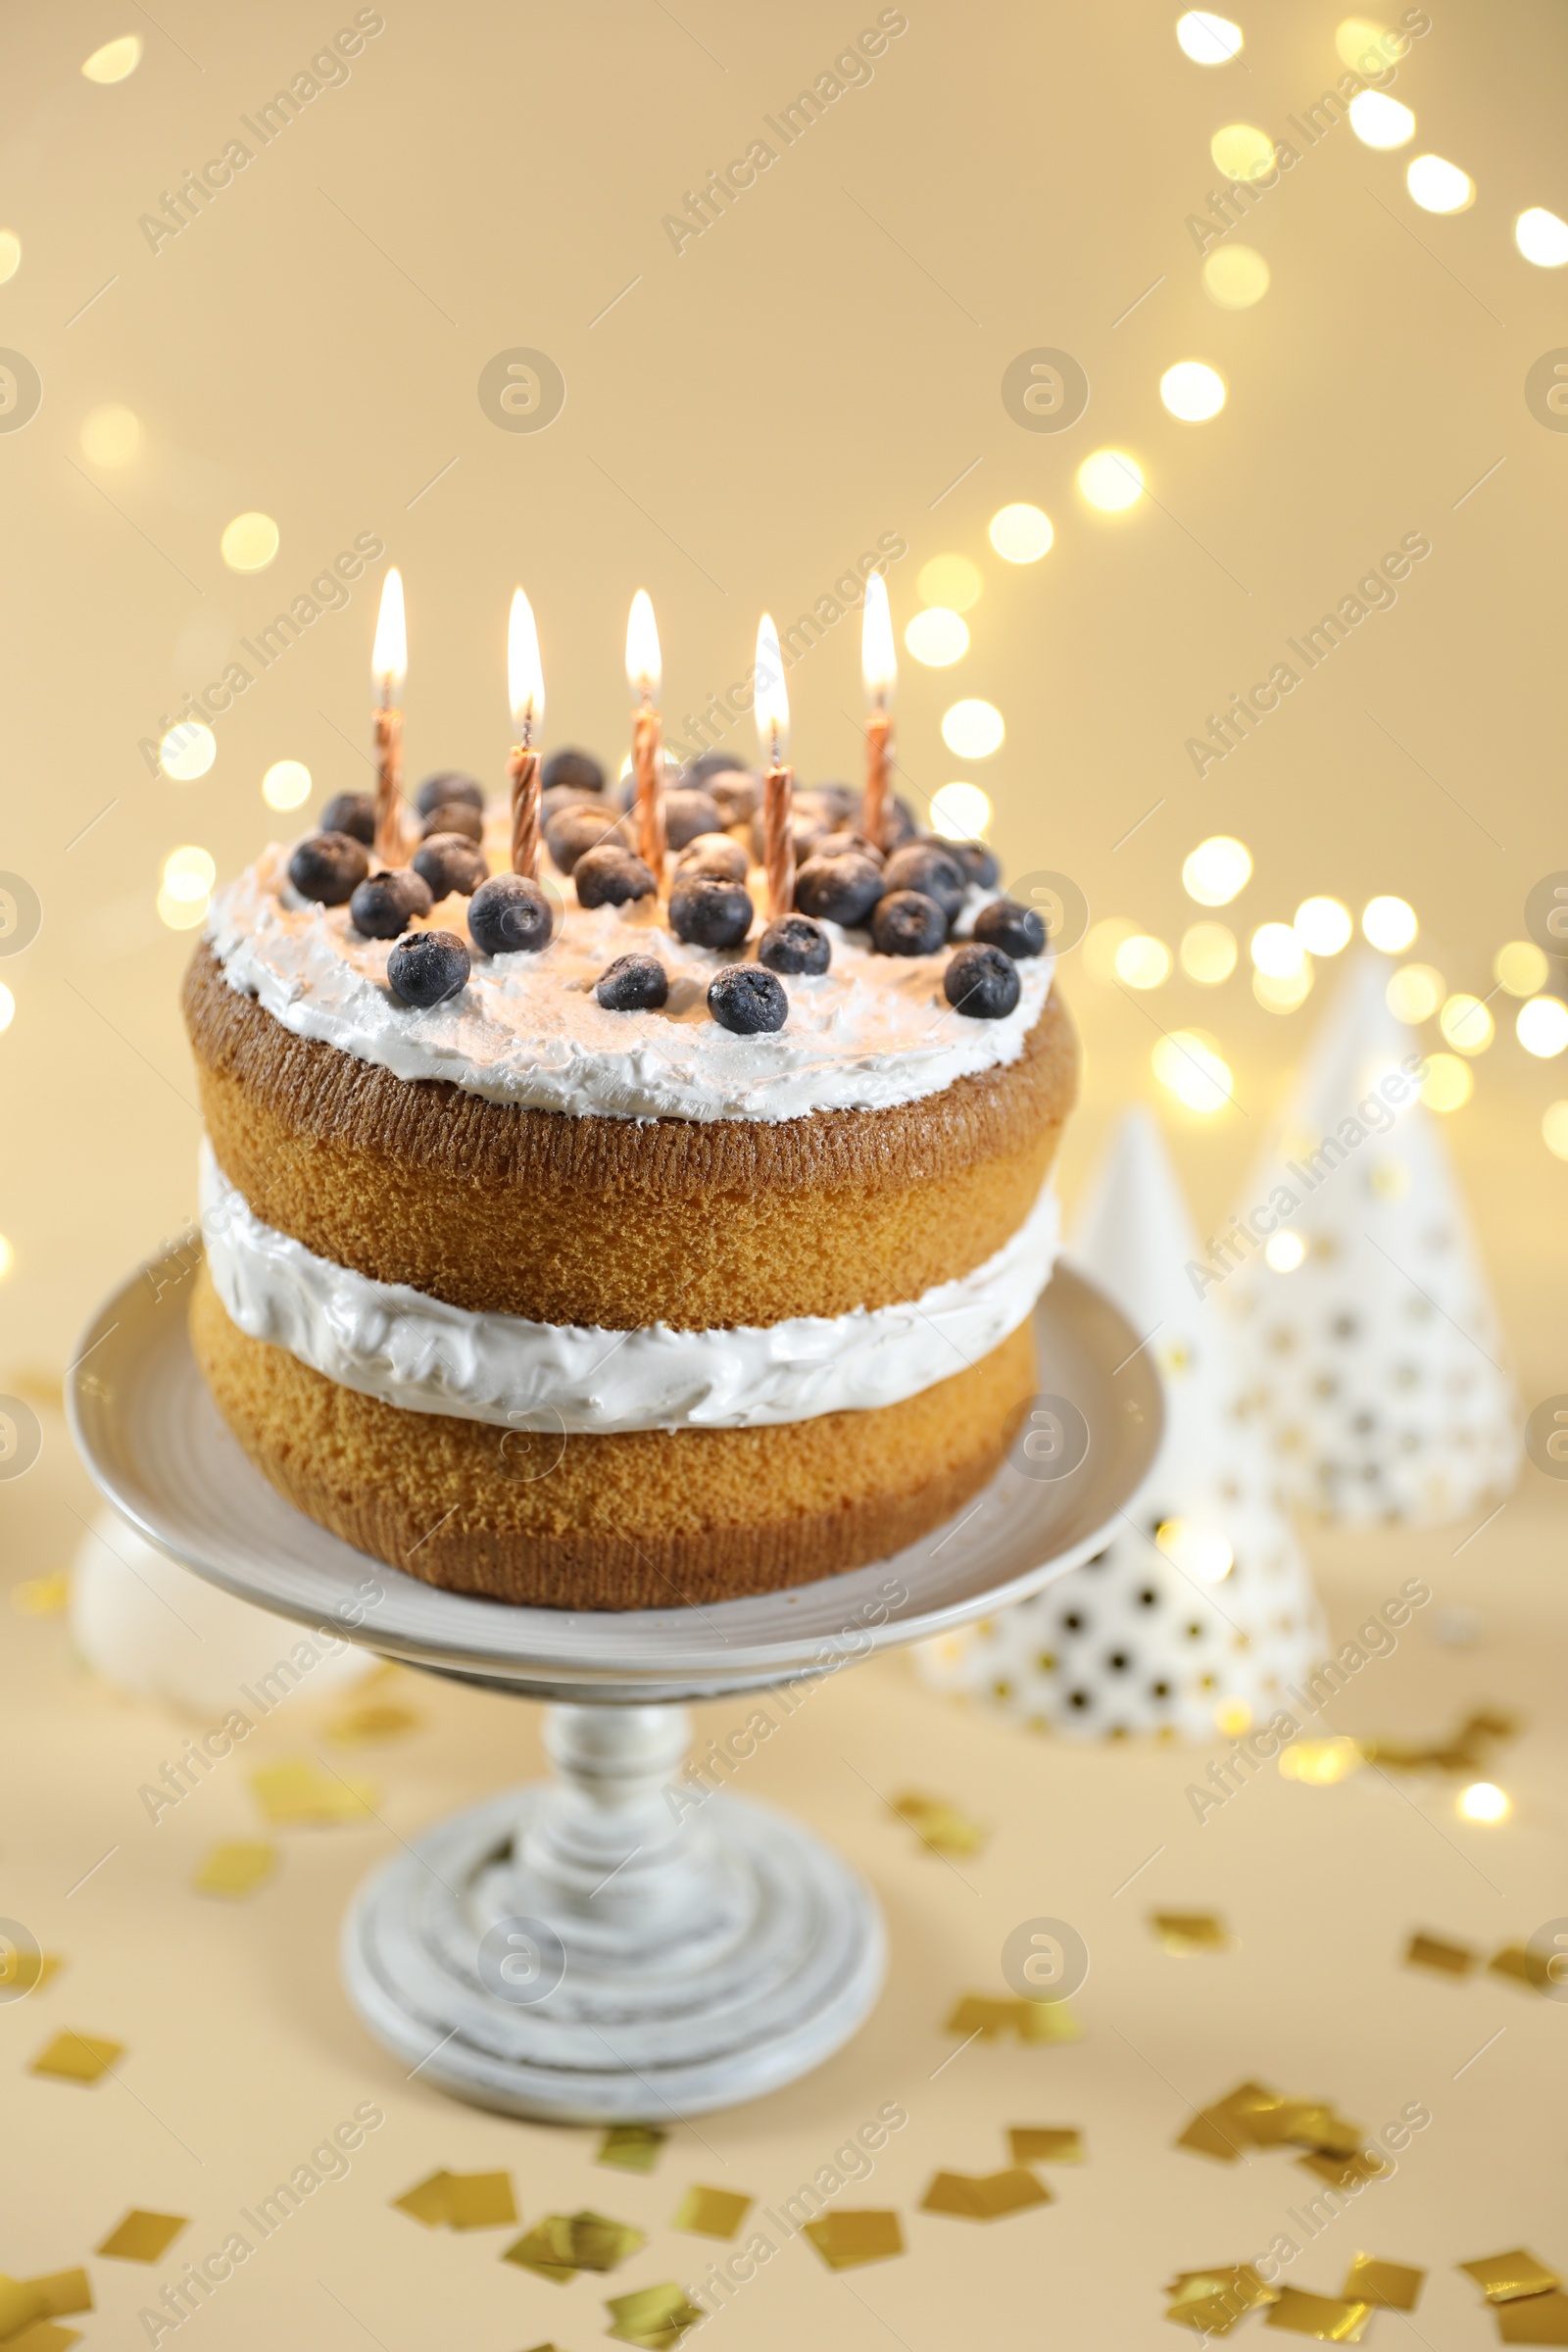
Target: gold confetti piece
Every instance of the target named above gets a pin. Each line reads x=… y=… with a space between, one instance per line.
x=984 y=2196
x=633 y=2147
x=1326 y=2317
x=1034 y=2022
x=1223 y=2129
x=43 y=1596
x=1183 y=1933
x=711 y=2211
x=371 y=1723
x=1448 y=1959
x=300 y=1792
x=979 y=2013
x=564 y=2243
x=1296 y=2121
x=1210 y=2315
x=1504 y=2277
x=655 y=2316
x=1040 y=2022
x=426 y=2201
x=20 y=2305
x=1519 y=1963
x=940 y=1825
x=26 y=1972
x=847 y=2239
x=1529 y=2320
x=236 y=1867
x=1348 y=2172
x=479 y=2201
x=1390 y=2285
x=43 y=2336
x=1046 y=2144
x=142 y=2236
x=63 y=2292
x=1238 y=2282
x=77 y=2057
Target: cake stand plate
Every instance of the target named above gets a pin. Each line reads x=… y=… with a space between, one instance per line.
x=624 y=1941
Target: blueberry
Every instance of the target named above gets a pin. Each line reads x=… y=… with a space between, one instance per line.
x=632 y=984
x=807 y=827
x=1016 y=930
x=573 y=768
x=611 y=876
x=980 y=865
x=352 y=814
x=570 y=796
x=839 y=890
x=716 y=859
x=326 y=866
x=508 y=915
x=845 y=844
x=920 y=866
x=898 y=825
x=981 y=982
x=907 y=923
x=747 y=999
x=709 y=915
x=448 y=862
x=454 y=816
x=794 y=944
x=835 y=804
x=449 y=788
x=738 y=795
x=428 y=967
x=708 y=765
x=573 y=831
x=688 y=813
x=384 y=905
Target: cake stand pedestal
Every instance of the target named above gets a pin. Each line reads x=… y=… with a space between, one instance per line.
x=618 y=1944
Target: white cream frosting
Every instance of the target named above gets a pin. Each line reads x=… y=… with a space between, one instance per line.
x=872 y=1031
x=388 y=1341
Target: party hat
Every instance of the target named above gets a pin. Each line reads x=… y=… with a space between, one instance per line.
x=1377 y=1368
x=1201 y=1608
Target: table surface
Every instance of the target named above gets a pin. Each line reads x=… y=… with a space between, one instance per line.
x=241 y=2054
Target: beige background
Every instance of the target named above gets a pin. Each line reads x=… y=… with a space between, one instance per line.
x=753 y=413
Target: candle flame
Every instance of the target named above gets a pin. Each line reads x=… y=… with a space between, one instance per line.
x=525 y=679
x=642 y=669
x=389 y=660
x=878 y=663
x=772 y=702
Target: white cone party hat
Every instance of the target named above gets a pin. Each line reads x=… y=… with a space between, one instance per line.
x=1201 y=1608
x=1376 y=1362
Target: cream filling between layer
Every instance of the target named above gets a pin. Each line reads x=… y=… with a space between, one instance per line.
x=872 y=1031
x=389 y=1341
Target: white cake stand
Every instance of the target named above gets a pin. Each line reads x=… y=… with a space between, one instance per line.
x=612 y=1944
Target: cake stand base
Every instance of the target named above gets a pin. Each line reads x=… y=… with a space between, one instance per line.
x=614 y=1945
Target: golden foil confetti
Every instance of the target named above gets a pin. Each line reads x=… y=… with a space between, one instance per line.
x=426 y=2201
x=1046 y=2144
x=44 y=2336
x=633 y=2147
x=1326 y=2317
x=300 y=1792
x=479 y=2201
x=1184 y=1933
x=1035 y=2022
x=984 y=2196
x=142 y=2236
x=1523 y=1966
x=372 y=1722
x=939 y=1825
x=1222 y=2129
x=23 y=1972
x=63 y=2292
x=1348 y=2172
x=1504 y=2277
x=236 y=1868
x=77 y=2057
x=1042 y=2022
x=980 y=2013
x=20 y=2305
x=1302 y=2122
x=711 y=2211
x=847 y=2239
x=1215 y=2301
x=1527 y=2320
x=1448 y=1959
x=656 y=2316
x=43 y=1596
x=1393 y=2285
x=564 y=2243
